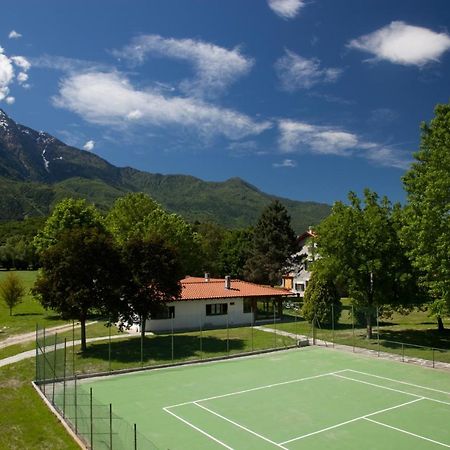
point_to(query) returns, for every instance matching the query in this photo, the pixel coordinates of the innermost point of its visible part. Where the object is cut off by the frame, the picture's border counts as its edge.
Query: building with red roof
(218, 302)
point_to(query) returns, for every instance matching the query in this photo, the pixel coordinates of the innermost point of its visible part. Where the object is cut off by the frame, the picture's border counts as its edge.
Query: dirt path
(28, 337)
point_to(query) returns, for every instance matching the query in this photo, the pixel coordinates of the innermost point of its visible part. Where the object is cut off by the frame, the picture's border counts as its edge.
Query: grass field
(305, 398)
(28, 313)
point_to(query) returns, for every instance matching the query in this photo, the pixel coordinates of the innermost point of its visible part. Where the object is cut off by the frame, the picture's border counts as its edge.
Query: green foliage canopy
(12, 291)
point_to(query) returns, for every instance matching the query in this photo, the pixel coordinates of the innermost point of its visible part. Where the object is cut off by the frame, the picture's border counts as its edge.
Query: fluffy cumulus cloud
(296, 72)
(405, 44)
(215, 67)
(8, 74)
(286, 9)
(14, 35)
(89, 145)
(301, 137)
(286, 163)
(108, 98)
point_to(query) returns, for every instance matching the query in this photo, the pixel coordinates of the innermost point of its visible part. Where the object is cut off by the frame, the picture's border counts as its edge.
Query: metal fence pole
(54, 369)
(142, 342)
(109, 347)
(432, 350)
(45, 361)
(73, 347)
(201, 336)
(64, 378)
(76, 405)
(378, 330)
(274, 325)
(36, 363)
(403, 352)
(228, 336)
(332, 322)
(110, 427)
(251, 328)
(135, 437)
(171, 322)
(92, 418)
(353, 327)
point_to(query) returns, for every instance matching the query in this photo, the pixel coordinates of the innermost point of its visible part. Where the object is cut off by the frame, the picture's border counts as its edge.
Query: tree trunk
(441, 327)
(83, 334)
(10, 311)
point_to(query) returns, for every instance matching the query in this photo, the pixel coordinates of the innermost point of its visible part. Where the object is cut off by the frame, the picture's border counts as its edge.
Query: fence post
(45, 360)
(76, 405)
(54, 369)
(36, 376)
(403, 352)
(142, 342)
(228, 335)
(378, 330)
(110, 427)
(73, 347)
(64, 378)
(109, 347)
(274, 324)
(353, 328)
(171, 322)
(201, 336)
(92, 419)
(433, 355)
(135, 437)
(332, 322)
(251, 328)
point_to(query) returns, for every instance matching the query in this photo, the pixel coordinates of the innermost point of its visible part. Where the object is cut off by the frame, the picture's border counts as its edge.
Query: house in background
(217, 302)
(296, 280)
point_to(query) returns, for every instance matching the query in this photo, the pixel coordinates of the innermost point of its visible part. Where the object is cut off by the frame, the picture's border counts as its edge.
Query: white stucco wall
(189, 314)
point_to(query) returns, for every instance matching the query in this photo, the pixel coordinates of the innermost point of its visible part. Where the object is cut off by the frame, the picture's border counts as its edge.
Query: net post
(91, 419)
(135, 437)
(110, 427)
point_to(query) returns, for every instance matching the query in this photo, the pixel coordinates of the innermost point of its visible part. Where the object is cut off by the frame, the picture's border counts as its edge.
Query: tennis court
(309, 398)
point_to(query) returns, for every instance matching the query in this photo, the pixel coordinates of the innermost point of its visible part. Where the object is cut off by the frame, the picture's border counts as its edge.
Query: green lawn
(28, 313)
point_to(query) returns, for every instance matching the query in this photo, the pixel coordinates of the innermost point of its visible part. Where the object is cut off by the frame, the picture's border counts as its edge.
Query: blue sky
(304, 99)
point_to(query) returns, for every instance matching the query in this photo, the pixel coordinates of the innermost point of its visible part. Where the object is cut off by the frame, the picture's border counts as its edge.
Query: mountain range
(37, 170)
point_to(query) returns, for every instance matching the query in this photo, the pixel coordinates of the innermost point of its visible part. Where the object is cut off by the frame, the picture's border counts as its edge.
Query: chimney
(228, 282)
(206, 276)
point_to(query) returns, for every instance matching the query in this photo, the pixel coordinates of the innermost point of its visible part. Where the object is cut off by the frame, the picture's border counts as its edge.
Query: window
(297, 286)
(302, 287)
(166, 312)
(217, 309)
(247, 305)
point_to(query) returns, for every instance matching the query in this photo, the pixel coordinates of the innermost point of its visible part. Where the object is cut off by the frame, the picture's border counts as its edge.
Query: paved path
(359, 350)
(28, 337)
(32, 353)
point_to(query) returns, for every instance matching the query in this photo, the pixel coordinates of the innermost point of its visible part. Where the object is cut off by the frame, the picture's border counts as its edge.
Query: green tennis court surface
(308, 398)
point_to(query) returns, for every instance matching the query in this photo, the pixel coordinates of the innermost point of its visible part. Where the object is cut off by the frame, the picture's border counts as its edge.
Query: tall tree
(11, 291)
(67, 214)
(234, 251)
(138, 216)
(427, 225)
(360, 249)
(274, 242)
(81, 273)
(153, 274)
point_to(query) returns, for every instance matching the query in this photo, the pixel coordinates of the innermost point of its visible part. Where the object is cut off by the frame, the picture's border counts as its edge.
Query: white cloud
(14, 35)
(301, 137)
(110, 99)
(22, 77)
(69, 65)
(289, 163)
(21, 62)
(286, 9)
(10, 100)
(405, 44)
(215, 67)
(89, 145)
(296, 72)
(6, 74)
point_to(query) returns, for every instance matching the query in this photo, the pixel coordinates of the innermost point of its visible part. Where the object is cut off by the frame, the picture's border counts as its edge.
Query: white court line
(199, 429)
(239, 426)
(407, 432)
(256, 389)
(391, 389)
(398, 381)
(350, 421)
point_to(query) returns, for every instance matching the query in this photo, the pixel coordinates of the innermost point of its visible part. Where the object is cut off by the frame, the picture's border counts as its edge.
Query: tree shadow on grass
(426, 338)
(159, 348)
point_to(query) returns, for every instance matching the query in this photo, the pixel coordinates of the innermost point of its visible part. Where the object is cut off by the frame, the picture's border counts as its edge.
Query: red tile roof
(197, 288)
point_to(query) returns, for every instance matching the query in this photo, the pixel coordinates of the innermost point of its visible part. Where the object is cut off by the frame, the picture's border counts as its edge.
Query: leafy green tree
(67, 214)
(211, 238)
(360, 250)
(81, 274)
(274, 242)
(427, 224)
(12, 291)
(138, 216)
(321, 301)
(152, 278)
(234, 251)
